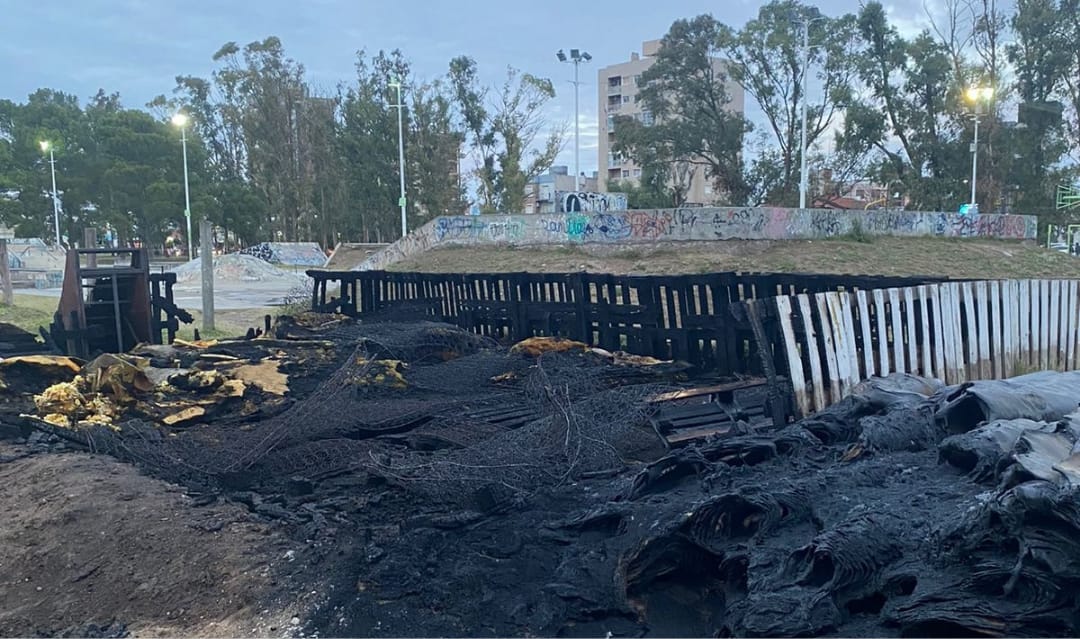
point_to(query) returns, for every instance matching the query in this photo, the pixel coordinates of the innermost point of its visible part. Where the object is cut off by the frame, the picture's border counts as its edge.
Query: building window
(637, 80)
(647, 118)
(637, 173)
(614, 81)
(625, 173)
(611, 123)
(625, 99)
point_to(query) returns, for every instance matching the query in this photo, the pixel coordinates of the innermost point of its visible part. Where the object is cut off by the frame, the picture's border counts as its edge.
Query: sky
(138, 47)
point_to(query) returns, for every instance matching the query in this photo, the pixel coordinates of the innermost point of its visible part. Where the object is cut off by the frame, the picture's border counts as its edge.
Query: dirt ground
(89, 546)
(879, 256)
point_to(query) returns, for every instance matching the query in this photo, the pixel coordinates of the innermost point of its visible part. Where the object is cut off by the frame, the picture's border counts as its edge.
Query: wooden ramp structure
(954, 331)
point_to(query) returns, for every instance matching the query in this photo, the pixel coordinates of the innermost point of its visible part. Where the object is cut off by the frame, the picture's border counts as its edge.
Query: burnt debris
(441, 483)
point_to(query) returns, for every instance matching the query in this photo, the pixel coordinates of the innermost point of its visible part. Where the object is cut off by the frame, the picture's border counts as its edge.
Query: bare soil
(88, 540)
(879, 256)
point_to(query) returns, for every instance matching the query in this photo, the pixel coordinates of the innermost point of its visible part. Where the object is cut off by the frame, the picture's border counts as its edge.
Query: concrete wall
(695, 224)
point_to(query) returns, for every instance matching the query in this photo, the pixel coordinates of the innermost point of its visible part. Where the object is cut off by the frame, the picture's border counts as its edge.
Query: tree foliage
(507, 132)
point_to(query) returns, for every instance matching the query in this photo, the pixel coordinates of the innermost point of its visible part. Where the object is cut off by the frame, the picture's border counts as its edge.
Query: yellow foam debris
(266, 375)
(388, 373)
(42, 360)
(536, 346)
(66, 405)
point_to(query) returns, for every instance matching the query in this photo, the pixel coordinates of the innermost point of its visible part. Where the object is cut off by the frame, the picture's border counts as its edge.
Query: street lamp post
(396, 83)
(181, 120)
(45, 146)
(977, 95)
(577, 56)
(802, 135)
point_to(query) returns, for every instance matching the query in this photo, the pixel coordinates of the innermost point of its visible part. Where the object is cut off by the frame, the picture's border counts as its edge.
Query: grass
(853, 254)
(31, 311)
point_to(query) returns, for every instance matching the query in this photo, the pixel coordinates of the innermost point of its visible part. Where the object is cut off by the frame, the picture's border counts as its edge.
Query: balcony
(613, 162)
(613, 107)
(614, 89)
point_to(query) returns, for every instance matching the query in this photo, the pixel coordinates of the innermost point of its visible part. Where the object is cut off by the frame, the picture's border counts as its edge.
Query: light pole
(977, 95)
(802, 135)
(396, 83)
(181, 120)
(45, 146)
(577, 56)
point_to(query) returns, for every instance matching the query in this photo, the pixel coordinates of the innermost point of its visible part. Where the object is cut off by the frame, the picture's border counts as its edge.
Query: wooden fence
(692, 318)
(955, 331)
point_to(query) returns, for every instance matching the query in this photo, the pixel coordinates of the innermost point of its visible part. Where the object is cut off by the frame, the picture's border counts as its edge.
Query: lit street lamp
(977, 96)
(396, 83)
(181, 120)
(577, 56)
(45, 146)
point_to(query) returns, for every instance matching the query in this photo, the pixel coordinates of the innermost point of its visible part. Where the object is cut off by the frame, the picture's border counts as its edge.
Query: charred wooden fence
(695, 318)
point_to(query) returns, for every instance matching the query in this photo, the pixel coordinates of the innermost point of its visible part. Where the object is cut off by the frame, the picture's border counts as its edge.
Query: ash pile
(441, 484)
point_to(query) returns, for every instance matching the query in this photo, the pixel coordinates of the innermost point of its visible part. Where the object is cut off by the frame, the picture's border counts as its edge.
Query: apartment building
(618, 95)
(543, 192)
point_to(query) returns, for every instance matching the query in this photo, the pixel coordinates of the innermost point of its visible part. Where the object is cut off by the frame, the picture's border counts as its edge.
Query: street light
(45, 146)
(577, 56)
(977, 96)
(396, 83)
(802, 143)
(181, 120)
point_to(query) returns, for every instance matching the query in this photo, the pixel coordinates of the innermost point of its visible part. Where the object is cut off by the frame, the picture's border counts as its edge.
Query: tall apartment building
(618, 95)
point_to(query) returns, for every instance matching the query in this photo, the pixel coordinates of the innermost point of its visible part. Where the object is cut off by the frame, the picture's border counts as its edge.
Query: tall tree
(686, 92)
(511, 140)
(1040, 54)
(768, 61)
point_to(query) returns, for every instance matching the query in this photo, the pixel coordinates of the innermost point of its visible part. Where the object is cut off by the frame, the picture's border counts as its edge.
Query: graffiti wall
(587, 202)
(698, 224)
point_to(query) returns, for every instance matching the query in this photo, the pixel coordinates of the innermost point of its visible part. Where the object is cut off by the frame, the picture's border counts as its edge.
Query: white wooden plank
(924, 318)
(954, 346)
(867, 336)
(1072, 347)
(909, 325)
(1009, 327)
(817, 381)
(939, 334)
(795, 363)
(830, 348)
(958, 321)
(1063, 324)
(971, 337)
(897, 331)
(1025, 353)
(982, 311)
(1044, 325)
(850, 336)
(840, 342)
(1052, 335)
(996, 336)
(882, 332)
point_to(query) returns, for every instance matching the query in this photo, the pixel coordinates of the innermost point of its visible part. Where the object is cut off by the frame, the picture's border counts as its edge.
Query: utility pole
(206, 238)
(977, 95)
(181, 121)
(577, 56)
(396, 83)
(46, 146)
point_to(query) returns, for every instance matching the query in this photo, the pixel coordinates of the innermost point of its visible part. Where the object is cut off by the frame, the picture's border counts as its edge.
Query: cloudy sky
(137, 47)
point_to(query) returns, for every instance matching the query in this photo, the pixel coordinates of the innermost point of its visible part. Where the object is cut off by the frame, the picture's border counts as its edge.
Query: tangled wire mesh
(581, 428)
